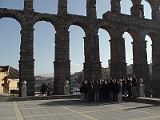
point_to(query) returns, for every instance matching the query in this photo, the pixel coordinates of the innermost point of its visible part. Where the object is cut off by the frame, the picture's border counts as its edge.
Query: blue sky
(44, 35)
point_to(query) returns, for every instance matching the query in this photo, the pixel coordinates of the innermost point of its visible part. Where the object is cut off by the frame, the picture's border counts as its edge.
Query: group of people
(108, 91)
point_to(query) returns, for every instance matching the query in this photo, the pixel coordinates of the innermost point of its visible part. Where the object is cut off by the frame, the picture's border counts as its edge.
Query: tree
(44, 88)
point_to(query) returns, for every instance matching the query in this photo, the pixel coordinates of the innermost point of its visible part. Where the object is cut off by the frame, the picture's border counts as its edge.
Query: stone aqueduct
(113, 21)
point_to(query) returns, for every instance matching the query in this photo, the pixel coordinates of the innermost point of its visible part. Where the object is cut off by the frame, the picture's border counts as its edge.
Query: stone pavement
(74, 109)
(4, 97)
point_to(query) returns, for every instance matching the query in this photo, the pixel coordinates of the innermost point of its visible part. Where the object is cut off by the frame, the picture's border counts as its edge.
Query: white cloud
(75, 64)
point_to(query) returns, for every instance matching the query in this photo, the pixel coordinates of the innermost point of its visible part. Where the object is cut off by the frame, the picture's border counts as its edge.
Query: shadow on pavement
(75, 103)
(149, 106)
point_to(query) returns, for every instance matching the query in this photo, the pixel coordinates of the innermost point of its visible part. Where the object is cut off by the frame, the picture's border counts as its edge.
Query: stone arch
(147, 8)
(155, 7)
(133, 31)
(45, 34)
(152, 33)
(110, 28)
(78, 41)
(104, 39)
(152, 3)
(82, 25)
(154, 38)
(46, 17)
(79, 22)
(154, 53)
(10, 32)
(129, 34)
(18, 16)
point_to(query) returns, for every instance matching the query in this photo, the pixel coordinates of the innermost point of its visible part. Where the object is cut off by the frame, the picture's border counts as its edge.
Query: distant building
(9, 79)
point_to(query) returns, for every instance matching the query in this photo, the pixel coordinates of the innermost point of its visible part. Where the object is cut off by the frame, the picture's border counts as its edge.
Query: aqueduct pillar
(137, 9)
(62, 7)
(115, 6)
(26, 62)
(118, 59)
(92, 65)
(62, 62)
(156, 66)
(140, 65)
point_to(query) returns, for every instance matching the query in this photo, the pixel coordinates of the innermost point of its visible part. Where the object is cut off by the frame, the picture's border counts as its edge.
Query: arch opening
(147, 9)
(104, 51)
(44, 49)
(149, 49)
(129, 52)
(11, 4)
(9, 54)
(149, 53)
(43, 6)
(10, 36)
(102, 6)
(126, 6)
(76, 52)
(77, 7)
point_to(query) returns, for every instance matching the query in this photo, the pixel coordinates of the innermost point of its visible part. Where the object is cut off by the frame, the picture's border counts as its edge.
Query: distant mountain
(46, 75)
(77, 77)
(51, 74)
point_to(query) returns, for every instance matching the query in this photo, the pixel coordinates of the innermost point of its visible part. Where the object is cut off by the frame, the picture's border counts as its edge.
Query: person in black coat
(129, 86)
(134, 86)
(83, 91)
(89, 91)
(102, 90)
(96, 91)
(115, 90)
(124, 87)
(110, 91)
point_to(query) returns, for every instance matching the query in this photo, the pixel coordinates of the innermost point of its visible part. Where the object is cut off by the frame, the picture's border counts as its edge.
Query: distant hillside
(77, 77)
(73, 75)
(46, 75)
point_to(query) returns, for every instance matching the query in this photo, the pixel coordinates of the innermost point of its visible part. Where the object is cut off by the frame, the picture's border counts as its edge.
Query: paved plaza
(74, 109)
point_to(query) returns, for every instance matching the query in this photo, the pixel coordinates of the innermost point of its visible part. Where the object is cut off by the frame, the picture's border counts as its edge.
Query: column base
(156, 88)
